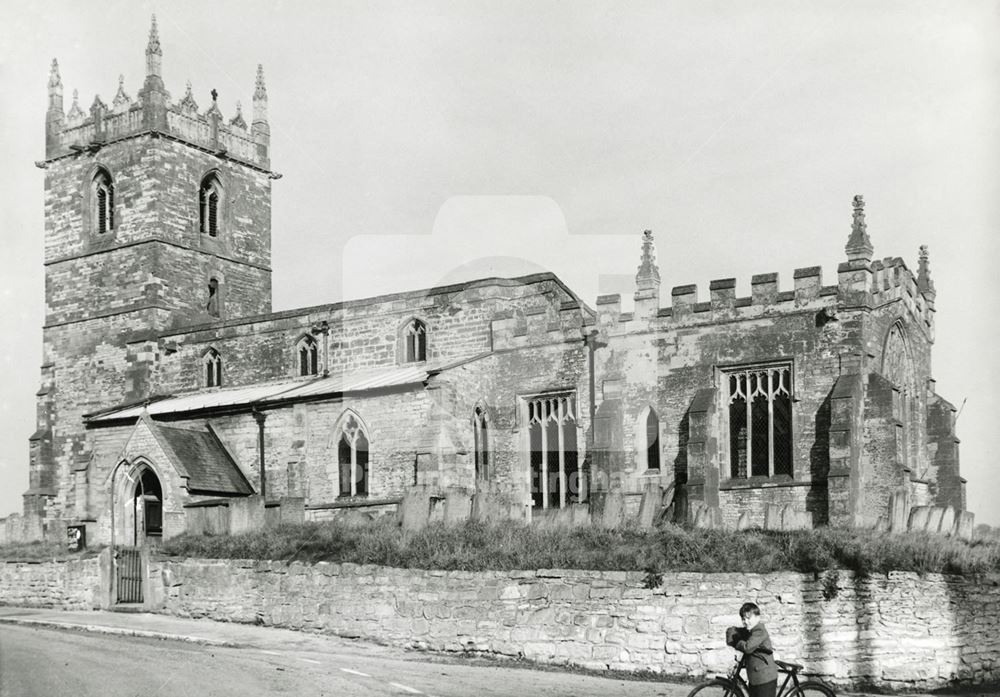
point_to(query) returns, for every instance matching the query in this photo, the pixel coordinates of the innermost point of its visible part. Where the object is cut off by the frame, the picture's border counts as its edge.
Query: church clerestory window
(308, 356)
(212, 367)
(209, 205)
(103, 196)
(352, 458)
(760, 421)
(415, 342)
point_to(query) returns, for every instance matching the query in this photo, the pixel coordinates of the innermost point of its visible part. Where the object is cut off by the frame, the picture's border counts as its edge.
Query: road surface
(45, 662)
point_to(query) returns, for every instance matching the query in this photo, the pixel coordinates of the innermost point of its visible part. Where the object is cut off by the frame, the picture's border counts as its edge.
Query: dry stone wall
(69, 585)
(902, 632)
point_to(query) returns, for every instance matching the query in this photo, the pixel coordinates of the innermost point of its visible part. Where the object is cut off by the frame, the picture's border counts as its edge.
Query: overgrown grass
(38, 551)
(477, 546)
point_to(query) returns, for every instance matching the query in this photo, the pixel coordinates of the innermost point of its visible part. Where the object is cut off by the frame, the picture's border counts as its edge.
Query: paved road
(42, 662)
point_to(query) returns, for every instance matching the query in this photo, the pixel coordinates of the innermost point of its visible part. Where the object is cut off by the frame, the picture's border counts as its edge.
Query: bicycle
(733, 684)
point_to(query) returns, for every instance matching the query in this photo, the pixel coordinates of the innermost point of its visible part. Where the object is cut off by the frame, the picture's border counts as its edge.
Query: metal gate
(129, 568)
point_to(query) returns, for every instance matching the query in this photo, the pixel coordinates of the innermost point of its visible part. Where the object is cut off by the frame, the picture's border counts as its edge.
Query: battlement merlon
(153, 112)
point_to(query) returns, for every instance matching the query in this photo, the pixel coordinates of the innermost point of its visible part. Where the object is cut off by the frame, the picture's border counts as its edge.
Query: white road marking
(270, 653)
(405, 688)
(355, 672)
(309, 660)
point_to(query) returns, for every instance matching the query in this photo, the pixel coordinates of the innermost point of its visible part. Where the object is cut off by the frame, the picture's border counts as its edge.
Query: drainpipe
(260, 417)
(592, 345)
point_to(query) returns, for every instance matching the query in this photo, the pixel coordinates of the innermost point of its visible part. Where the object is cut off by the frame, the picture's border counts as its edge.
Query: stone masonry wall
(69, 585)
(900, 632)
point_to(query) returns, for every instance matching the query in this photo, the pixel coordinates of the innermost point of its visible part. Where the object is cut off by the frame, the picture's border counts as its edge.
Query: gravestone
(457, 506)
(772, 517)
(744, 522)
(649, 507)
(918, 518)
(416, 508)
(934, 519)
(614, 509)
(965, 523)
(947, 524)
(899, 509)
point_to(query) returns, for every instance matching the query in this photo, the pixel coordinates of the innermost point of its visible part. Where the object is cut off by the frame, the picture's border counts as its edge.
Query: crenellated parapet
(861, 284)
(153, 111)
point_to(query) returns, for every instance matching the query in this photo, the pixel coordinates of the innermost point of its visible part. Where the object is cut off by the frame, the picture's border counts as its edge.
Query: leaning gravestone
(652, 498)
(918, 518)
(947, 524)
(744, 522)
(934, 519)
(899, 510)
(964, 524)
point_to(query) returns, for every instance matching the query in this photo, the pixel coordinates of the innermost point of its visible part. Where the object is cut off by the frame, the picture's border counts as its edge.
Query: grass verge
(478, 546)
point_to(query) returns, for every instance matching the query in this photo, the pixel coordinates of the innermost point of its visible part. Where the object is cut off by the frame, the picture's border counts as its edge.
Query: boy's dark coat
(756, 644)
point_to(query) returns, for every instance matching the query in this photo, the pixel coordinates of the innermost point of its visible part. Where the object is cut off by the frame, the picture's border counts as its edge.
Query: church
(170, 390)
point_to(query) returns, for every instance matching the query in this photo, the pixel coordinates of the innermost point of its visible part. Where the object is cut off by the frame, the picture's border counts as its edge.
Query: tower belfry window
(104, 202)
(209, 203)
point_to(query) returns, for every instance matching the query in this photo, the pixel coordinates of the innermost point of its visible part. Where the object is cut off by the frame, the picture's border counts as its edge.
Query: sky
(429, 142)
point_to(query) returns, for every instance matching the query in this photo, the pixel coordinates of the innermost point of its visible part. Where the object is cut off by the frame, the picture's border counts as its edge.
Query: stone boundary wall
(72, 584)
(901, 632)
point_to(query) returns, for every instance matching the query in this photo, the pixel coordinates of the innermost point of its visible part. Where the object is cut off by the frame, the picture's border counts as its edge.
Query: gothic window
(212, 306)
(212, 367)
(103, 197)
(352, 458)
(556, 477)
(897, 368)
(481, 445)
(648, 440)
(415, 342)
(760, 421)
(209, 205)
(308, 355)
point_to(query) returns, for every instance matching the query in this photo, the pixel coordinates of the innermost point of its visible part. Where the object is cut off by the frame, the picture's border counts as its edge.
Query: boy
(752, 639)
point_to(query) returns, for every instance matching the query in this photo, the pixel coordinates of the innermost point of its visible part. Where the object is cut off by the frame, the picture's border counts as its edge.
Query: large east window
(556, 476)
(760, 420)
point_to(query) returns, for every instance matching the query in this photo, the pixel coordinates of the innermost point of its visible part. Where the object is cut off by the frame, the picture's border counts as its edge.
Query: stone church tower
(157, 215)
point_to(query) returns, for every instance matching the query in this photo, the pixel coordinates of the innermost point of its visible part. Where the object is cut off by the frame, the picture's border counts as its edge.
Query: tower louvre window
(760, 421)
(104, 202)
(209, 202)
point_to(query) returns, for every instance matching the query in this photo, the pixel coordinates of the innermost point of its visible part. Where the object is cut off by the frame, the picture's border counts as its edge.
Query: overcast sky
(426, 142)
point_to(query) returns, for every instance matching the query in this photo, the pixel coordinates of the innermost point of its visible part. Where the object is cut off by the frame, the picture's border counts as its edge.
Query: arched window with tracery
(352, 457)
(212, 368)
(414, 341)
(308, 356)
(481, 443)
(103, 197)
(556, 475)
(898, 368)
(209, 205)
(760, 420)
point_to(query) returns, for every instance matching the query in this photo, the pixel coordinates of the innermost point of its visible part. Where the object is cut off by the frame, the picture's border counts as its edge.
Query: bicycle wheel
(717, 688)
(812, 688)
